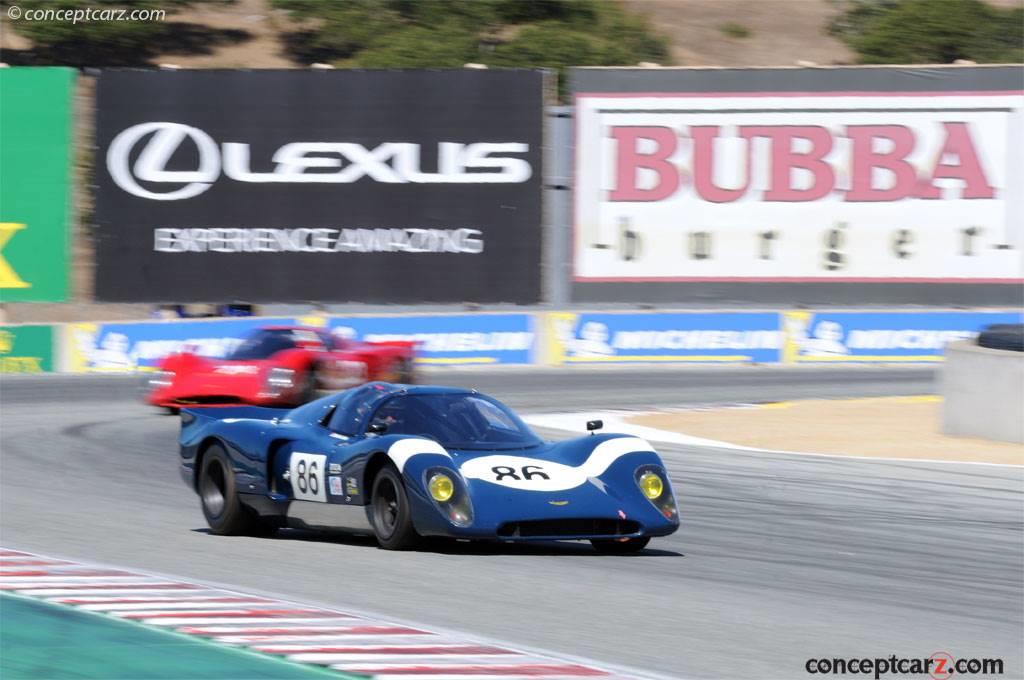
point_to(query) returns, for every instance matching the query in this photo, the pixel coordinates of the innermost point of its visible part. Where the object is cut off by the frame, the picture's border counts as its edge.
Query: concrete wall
(983, 391)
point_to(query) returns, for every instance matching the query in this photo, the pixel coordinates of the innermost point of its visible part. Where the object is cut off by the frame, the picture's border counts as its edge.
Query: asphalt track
(780, 558)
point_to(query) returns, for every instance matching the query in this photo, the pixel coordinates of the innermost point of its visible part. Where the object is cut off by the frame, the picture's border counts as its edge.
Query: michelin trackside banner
(441, 338)
(637, 337)
(761, 337)
(835, 177)
(117, 347)
(449, 338)
(559, 338)
(334, 186)
(911, 336)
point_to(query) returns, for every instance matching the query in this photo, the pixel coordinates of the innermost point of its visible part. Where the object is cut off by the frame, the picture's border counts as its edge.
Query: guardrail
(552, 338)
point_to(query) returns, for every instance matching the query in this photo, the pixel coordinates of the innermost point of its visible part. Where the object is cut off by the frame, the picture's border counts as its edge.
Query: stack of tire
(1008, 336)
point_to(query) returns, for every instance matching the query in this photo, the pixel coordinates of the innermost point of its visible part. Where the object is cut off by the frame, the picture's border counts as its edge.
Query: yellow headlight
(651, 485)
(441, 487)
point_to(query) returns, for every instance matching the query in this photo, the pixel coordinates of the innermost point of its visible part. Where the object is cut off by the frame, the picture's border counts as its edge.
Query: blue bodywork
(582, 488)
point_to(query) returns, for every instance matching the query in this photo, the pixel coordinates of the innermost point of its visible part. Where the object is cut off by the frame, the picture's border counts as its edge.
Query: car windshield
(353, 406)
(263, 343)
(457, 421)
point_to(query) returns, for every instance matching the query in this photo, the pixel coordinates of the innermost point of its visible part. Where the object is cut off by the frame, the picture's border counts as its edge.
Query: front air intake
(568, 528)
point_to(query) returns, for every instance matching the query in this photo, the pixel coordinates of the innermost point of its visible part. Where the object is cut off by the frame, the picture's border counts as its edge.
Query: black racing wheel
(390, 511)
(222, 508)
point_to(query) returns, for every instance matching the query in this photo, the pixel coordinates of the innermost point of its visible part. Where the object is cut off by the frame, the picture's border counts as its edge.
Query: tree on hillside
(110, 42)
(931, 31)
(360, 33)
(449, 33)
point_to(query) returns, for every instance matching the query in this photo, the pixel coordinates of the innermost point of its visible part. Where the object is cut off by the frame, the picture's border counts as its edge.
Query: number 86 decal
(528, 472)
(311, 482)
(307, 476)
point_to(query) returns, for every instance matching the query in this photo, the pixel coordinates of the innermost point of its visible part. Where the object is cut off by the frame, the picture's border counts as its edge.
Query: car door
(317, 473)
(335, 449)
(301, 468)
(321, 469)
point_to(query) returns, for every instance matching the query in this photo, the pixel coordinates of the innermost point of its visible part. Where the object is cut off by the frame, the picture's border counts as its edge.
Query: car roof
(398, 388)
(380, 391)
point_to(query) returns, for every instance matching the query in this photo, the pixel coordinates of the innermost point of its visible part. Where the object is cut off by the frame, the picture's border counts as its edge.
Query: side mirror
(377, 427)
(594, 425)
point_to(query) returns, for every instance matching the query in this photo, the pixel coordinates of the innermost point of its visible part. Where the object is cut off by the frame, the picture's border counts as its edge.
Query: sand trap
(885, 427)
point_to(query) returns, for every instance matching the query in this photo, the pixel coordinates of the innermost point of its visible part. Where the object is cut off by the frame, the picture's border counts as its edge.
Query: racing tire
(225, 514)
(390, 512)
(610, 546)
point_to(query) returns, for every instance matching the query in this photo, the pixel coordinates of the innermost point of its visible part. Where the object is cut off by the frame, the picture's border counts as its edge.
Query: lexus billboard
(291, 186)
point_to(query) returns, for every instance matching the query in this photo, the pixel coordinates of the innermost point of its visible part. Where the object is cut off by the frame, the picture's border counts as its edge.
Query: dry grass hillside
(700, 32)
(746, 32)
(262, 49)
(752, 32)
(251, 34)
(781, 32)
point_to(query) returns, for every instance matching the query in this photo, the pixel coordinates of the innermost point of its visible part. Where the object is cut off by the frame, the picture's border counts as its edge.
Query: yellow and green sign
(35, 155)
(26, 349)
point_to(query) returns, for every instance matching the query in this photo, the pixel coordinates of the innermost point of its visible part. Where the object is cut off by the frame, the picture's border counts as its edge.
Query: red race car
(278, 366)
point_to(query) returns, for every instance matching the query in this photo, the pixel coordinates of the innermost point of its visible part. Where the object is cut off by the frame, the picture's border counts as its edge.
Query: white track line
(248, 613)
(194, 621)
(212, 603)
(207, 596)
(396, 638)
(463, 670)
(132, 591)
(416, 648)
(65, 582)
(436, 658)
(282, 627)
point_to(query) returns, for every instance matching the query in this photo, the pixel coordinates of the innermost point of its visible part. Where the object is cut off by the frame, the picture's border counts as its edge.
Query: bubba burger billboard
(800, 186)
(282, 186)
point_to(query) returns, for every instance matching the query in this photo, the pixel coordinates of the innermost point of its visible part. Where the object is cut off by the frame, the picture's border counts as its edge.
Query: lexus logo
(335, 162)
(151, 164)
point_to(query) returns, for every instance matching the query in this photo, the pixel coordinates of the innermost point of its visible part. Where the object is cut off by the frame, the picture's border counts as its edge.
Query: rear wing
(200, 422)
(207, 414)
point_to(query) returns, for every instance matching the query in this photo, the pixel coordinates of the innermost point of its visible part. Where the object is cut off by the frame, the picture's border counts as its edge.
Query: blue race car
(403, 461)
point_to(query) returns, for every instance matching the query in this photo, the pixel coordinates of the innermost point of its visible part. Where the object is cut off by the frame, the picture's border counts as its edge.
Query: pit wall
(555, 338)
(982, 393)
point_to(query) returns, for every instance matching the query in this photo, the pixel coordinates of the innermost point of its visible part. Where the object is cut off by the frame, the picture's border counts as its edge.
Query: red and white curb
(344, 641)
